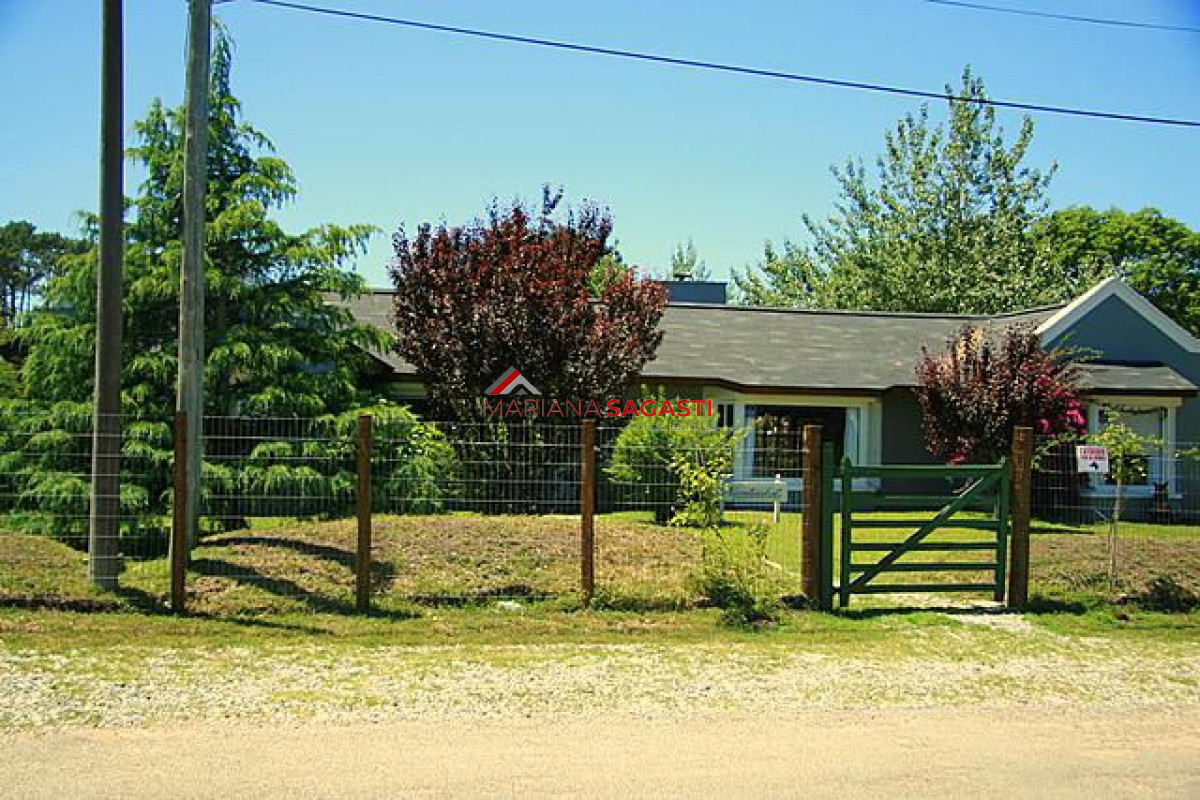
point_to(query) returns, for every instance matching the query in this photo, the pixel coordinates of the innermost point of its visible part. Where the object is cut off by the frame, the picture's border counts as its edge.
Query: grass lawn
(271, 631)
(281, 568)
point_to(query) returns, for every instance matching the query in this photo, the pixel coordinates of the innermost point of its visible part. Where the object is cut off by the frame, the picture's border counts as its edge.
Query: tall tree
(943, 226)
(686, 263)
(28, 259)
(516, 289)
(1159, 256)
(274, 345)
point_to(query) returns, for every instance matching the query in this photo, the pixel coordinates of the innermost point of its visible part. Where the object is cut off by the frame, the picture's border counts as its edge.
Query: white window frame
(862, 438)
(1098, 485)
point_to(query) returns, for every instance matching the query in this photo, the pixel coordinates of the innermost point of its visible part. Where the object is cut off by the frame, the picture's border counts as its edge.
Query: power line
(1025, 12)
(728, 68)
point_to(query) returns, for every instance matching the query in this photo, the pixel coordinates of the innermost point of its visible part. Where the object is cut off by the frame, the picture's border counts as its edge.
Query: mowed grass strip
(283, 566)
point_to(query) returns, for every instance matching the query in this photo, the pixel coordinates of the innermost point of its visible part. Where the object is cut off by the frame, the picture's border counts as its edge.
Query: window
(777, 437)
(724, 415)
(1151, 422)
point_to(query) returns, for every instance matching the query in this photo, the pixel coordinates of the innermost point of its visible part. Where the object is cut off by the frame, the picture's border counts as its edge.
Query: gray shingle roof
(1135, 378)
(791, 350)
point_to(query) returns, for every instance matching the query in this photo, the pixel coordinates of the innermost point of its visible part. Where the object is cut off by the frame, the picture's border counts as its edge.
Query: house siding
(1117, 332)
(903, 432)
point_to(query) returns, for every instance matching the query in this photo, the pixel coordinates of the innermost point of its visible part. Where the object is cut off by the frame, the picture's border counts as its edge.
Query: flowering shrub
(985, 384)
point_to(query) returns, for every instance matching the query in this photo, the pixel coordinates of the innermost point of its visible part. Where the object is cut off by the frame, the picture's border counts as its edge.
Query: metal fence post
(1022, 479)
(362, 561)
(810, 529)
(179, 516)
(587, 510)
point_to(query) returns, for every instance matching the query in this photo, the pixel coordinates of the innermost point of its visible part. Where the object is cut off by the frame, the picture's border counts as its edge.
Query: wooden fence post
(825, 573)
(179, 516)
(362, 561)
(587, 511)
(810, 536)
(1022, 480)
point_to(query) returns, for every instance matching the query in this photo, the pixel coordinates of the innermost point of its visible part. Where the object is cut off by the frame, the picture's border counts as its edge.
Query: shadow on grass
(1042, 604)
(1044, 528)
(288, 589)
(514, 591)
(875, 612)
(335, 555)
(382, 572)
(1038, 604)
(140, 603)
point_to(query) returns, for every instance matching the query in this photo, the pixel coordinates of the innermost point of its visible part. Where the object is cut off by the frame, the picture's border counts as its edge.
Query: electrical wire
(1026, 12)
(728, 68)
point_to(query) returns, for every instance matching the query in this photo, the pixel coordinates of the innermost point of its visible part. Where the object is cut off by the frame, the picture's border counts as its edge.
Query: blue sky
(384, 125)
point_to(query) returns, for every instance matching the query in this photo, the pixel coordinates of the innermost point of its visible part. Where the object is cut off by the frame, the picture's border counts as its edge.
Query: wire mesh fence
(681, 501)
(1093, 533)
(48, 547)
(470, 512)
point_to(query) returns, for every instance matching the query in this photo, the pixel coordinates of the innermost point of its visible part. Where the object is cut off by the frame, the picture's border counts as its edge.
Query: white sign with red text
(1092, 459)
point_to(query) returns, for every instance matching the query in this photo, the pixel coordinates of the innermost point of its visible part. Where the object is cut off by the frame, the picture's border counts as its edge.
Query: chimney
(706, 292)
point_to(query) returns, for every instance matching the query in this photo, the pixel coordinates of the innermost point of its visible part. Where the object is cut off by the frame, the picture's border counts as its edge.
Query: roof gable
(1071, 314)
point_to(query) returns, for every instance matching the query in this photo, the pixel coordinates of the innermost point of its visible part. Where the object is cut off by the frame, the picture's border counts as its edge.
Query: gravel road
(1003, 753)
(136, 686)
(953, 712)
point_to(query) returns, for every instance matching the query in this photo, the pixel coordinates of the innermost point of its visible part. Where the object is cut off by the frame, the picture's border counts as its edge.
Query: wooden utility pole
(104, 559)
(190, 396)
(1022, 481)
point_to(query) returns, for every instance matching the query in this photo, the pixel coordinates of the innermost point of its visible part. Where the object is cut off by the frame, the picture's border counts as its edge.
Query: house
(854, 372)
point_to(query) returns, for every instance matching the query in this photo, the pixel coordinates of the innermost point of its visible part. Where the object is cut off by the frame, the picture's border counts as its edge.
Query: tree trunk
(1118, 507)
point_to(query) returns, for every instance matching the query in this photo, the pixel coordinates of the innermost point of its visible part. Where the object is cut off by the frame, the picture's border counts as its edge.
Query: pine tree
(274, 345)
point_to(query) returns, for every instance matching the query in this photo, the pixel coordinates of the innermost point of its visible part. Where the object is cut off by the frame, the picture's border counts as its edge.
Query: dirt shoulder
(923, 666)
(1010, 752)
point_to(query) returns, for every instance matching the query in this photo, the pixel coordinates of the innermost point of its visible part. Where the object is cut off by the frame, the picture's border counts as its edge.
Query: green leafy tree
(1157, 255)
(609, 270)
(1127, 465)
(942, 226)
(10, 385)
(28, 259)
(275, 346)
(687, 265)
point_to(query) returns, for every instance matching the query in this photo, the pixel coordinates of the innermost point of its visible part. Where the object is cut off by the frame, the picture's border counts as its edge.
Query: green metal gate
(984, 488)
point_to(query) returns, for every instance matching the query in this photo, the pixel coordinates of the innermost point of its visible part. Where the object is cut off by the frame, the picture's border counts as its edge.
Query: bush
(736, 577)
(675, 466)
(313, 469)
(252, 467)
(516, 466)
(984, 384)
